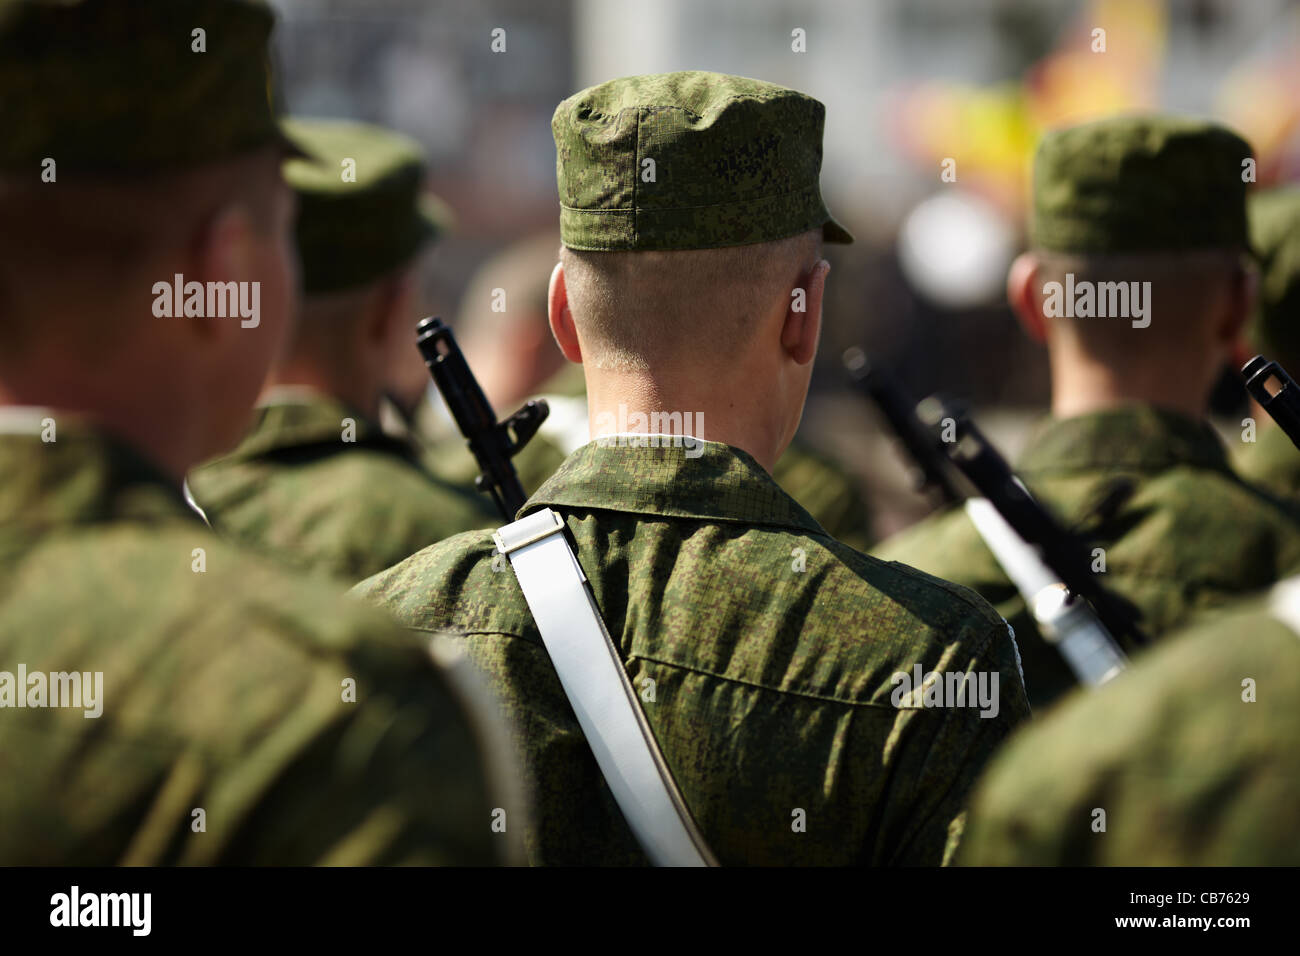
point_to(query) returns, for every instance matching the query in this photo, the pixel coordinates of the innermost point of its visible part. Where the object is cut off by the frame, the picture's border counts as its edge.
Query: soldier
(514, 357)
(1189, 759)
(832, 495)
(503, 330)
(768, 659)
(165, 697)
(1136, 282)
(316, 482)
(1271, 460)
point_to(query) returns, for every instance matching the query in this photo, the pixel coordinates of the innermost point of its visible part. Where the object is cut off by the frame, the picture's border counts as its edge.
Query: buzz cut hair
(1185, 285)
(95, 239)
(636, 310)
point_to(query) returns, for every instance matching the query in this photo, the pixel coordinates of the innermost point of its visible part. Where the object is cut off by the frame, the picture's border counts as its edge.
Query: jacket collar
(709, 481)
(1133, 437)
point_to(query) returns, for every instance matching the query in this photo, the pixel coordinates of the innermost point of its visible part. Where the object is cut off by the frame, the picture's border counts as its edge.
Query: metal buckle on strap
(527, 530)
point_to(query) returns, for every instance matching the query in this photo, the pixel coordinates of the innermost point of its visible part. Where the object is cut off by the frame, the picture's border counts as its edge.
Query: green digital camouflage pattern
(818, 484)
(1187, 772)
(827, 492)
(815, 481)
(444, 452)
(351, 231)
(450, 459)
(690, 160)
(771, 648)
(222, 690)
(65, 94)
(1152, 489)
(295, 490)
(1143, 184)
(1272, 461)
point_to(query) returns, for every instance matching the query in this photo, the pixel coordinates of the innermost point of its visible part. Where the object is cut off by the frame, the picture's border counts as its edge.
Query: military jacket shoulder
(1168, 525)
(771, 651)
(320, 487)
(1188, 759)
(244, 715)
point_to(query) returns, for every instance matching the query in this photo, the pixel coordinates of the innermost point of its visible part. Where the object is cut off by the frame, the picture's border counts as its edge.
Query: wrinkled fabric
(1186, 771)
(763, 652)
(1272, 462)
(1139, 184)
(117, 86)
(295, 490)
(1178, 531)
(222, 691)
(689, 160)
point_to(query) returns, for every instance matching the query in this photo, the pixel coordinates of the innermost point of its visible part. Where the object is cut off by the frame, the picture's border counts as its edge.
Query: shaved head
(92, 242)
(637, 310)
(1186, 288)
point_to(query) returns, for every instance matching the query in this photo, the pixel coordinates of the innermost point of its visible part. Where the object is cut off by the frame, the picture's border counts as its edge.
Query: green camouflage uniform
(296, 488)
(814, 480)
(830, 494)
(222, 690)
(241, 715)
(444, 452)
(1272, 460)
(1178, 531)
(772, 648)
(1186, 770)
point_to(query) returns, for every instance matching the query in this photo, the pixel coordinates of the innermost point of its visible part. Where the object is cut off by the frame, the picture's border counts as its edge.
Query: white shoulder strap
(1284, 602)
(592, 675)
(1063, 620)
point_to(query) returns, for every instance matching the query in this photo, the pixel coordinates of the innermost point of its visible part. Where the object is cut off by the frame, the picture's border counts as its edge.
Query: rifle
(883, 389)
(1282, 402)
(492, 443)
(1061, 550)
(1048, 564)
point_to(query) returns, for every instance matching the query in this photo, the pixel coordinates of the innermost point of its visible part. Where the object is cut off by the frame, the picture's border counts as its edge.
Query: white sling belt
(1068, 623)
(591, 673)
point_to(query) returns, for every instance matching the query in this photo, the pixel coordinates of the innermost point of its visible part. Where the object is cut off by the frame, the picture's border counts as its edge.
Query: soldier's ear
(225, 250)
(1022, 294)
(803, 315)
(561, 318)
(394, 306)
(1243, 291)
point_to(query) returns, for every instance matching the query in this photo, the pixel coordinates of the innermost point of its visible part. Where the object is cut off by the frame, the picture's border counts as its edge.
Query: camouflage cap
(107, 86)
(689, 160)
(1275, 238)
(1140, 184)
(361, 213)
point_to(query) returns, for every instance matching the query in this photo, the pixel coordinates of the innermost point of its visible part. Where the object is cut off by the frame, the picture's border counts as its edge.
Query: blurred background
(912, 88)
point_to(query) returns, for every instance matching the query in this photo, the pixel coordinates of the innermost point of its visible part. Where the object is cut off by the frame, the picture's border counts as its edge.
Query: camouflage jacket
(1272, 461)
(816, 481)
(764, 653)
(318, 486)
(222, 689)
(1176, 529)
(1188, 759)
(829, 493)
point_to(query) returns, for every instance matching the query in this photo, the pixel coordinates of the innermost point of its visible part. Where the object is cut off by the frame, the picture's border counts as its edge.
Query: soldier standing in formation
(245, 716)
(316, 482)
(764, 651)
(1155, 205)
(250, 715)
